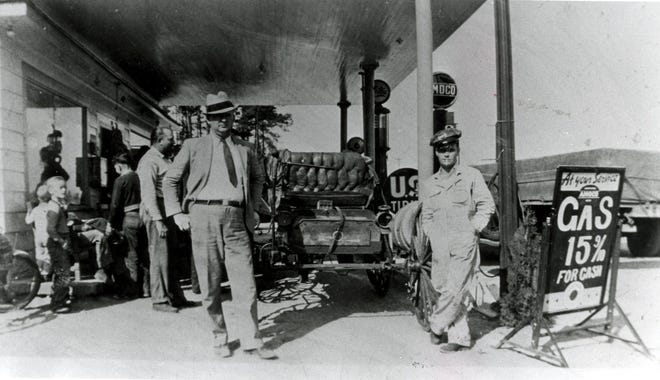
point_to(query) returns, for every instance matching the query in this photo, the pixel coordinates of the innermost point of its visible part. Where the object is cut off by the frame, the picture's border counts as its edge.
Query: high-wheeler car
(324, 216)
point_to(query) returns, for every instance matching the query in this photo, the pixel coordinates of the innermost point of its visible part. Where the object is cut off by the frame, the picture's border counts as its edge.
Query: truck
(640, 200)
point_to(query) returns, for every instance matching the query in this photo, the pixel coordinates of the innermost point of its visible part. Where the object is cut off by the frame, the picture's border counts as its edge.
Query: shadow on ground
(39, 312)
(326, 297)
(481, 325)
(329, 296)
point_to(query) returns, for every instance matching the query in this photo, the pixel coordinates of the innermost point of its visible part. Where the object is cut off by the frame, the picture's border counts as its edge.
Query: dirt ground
(332, 327)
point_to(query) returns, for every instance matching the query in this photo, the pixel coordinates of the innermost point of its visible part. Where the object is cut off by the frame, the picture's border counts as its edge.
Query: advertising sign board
(381, 91)
(586, 202)
(579, 261)
(401, 188)
(444, 90)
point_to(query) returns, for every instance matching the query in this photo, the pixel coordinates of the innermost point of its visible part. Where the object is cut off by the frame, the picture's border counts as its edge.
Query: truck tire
(646, 241)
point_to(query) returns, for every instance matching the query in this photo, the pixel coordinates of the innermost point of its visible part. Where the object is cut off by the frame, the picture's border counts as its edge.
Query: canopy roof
(282, 52)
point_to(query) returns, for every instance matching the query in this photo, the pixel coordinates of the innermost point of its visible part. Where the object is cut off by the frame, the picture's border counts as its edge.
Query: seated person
(89, 234)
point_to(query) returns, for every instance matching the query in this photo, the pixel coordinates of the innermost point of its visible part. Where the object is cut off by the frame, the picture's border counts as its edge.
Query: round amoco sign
(381, 91)
(444, 90)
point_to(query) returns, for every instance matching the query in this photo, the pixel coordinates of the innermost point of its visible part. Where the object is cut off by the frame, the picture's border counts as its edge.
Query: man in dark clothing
(51, 157)
(125, 216)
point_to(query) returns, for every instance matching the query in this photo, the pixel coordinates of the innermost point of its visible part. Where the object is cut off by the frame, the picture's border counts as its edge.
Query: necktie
(229, 161)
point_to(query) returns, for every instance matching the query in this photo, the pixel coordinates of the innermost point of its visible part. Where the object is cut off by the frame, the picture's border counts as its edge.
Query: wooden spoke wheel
(380, 278)
(23, 280)
(418, 268)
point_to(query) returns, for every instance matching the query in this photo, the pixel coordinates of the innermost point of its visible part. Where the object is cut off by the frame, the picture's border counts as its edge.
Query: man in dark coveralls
(225, 179)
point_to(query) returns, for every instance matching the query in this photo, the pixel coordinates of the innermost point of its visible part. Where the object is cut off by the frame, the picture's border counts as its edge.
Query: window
(55, 130)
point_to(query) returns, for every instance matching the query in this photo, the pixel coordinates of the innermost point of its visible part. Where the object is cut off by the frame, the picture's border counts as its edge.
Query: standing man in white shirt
(166, 294)
(224, 181)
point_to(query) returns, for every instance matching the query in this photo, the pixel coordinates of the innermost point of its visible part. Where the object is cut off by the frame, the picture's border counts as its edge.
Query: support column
(505, 148)
(424, 89)
(343, 123)
(368, 107)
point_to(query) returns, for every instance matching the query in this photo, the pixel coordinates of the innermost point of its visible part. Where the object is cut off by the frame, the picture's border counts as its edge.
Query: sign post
(580, 248)
(444, 95)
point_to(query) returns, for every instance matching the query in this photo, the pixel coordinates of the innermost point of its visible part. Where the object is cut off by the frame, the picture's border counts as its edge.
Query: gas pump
(381, 125)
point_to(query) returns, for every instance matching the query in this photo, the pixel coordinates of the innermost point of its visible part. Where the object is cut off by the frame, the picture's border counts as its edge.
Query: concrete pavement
(332, 327)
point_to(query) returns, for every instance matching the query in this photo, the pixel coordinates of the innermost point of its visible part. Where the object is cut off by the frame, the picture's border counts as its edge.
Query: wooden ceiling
(281, 52)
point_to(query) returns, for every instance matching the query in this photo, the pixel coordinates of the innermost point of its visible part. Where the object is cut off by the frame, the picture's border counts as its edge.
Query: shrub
(524, 257)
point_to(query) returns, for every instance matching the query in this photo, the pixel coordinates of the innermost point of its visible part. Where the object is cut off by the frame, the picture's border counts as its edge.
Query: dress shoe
(262, 353)
(453, 347)
(186, 304)
(165, 307)
(437, 339)
(62, 309)
(223, 350)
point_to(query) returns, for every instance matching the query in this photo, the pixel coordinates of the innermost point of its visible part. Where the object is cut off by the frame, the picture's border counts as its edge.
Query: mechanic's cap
(445, 137)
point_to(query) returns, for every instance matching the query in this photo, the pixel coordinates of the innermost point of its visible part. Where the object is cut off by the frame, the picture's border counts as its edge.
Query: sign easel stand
(538, 322)
(611, 305)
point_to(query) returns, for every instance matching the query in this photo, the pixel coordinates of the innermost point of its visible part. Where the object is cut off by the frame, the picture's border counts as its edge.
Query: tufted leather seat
(342, 177)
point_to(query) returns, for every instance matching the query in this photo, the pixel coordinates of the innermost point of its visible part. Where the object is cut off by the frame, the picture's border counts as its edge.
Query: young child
(36, 216)
(58, 244)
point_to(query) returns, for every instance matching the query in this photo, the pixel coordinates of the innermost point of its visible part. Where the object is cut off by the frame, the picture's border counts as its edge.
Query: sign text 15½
(579, 249)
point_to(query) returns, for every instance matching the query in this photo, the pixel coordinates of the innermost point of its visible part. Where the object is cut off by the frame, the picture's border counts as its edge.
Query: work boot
(223, 350)
(452, 347)
(437, 338)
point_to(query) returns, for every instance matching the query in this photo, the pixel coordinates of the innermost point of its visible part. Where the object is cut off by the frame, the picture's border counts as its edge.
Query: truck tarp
(536, 176)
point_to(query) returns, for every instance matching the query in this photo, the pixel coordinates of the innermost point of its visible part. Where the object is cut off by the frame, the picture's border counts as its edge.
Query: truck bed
(536, 176)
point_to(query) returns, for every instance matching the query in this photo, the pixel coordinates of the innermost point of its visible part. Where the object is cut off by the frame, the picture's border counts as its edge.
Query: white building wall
(39, 52)
(13, 169)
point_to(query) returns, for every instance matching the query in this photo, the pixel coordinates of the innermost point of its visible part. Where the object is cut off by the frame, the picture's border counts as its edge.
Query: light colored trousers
(219, 235)
(164, 276)
(455, 259)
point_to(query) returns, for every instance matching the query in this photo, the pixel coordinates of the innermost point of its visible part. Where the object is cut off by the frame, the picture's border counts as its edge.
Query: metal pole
(614, 275)
(439, 123)
(541, 280)
(343, 123)
(368, 107)
(505, 148)
(424, 89)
